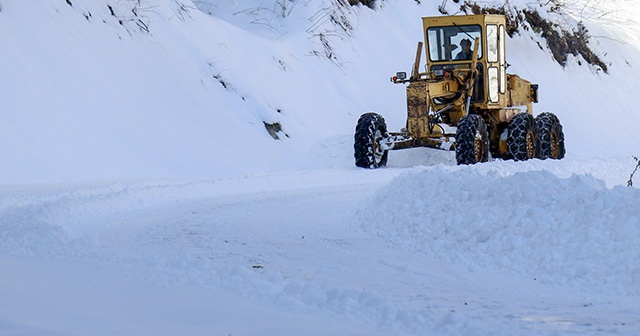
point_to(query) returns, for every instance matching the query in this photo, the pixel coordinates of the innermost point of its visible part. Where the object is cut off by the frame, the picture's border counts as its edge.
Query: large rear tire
(472, 140)
(551, 136)
(370, 130)
(522, 137)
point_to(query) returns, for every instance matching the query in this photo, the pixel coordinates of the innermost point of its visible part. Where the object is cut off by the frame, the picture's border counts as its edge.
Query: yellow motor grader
(464, 100)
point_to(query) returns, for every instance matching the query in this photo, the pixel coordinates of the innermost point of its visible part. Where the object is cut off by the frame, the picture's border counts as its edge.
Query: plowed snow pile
(565, 231)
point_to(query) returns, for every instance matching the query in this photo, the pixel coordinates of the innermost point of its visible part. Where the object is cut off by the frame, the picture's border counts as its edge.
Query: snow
(507, 226)
(140, 193)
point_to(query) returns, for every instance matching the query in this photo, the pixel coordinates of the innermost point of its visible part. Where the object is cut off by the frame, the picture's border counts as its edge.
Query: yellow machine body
(453, 85)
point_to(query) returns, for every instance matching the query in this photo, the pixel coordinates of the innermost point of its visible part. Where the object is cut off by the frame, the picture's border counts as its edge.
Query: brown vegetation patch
(560, 41)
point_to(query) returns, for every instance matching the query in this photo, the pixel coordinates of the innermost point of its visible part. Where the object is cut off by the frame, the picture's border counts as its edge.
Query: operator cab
(446, 38)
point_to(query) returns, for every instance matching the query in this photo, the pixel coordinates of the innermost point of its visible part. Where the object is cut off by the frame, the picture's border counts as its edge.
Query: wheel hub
(531, 146)
(555, 145)
(478, 148)
(378, 152)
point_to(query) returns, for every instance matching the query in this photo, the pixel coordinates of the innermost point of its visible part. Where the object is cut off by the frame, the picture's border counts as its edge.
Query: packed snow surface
(141, 193)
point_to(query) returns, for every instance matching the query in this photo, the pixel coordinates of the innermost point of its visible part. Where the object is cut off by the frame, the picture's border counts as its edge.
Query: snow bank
(565, 231)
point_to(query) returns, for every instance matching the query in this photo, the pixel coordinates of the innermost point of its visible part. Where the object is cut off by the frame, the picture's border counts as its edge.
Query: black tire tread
(364, 141)
(519, 126)
(548, 123)
(465, 140)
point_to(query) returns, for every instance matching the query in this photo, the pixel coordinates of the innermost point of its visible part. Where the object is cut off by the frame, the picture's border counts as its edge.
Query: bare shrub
(630, 182)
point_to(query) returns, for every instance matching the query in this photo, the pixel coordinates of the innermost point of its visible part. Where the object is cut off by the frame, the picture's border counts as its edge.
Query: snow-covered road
(428, 249)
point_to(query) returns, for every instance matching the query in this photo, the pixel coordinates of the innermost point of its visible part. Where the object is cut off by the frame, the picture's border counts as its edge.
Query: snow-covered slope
(141, 194)
(157, 88)
(94, 91)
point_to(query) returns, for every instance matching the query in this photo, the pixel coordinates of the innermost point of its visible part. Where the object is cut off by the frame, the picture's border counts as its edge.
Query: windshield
(453, 42)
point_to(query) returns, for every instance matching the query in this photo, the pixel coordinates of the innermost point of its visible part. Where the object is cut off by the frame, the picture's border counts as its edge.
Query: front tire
(472, 140)
(522, 138)
(551, 136)
(370, 130)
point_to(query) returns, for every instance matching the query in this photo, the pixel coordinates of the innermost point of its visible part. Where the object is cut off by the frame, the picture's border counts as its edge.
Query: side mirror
(401, 75)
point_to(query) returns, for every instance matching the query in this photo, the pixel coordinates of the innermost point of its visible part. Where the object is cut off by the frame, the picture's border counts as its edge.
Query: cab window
(453, 43)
